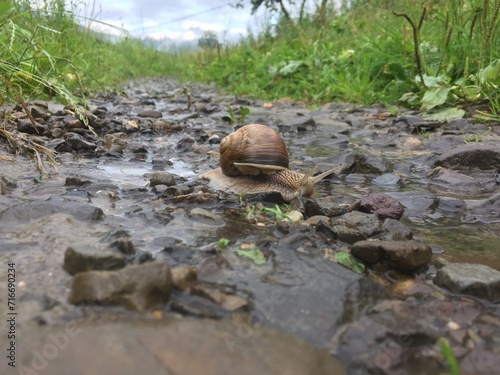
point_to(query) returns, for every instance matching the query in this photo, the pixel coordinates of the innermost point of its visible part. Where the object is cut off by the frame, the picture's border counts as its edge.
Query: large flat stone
(474, 279)
(167, 347)
(472, 155)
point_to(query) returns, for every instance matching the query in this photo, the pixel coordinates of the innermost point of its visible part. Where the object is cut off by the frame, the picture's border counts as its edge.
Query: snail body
(254, 159)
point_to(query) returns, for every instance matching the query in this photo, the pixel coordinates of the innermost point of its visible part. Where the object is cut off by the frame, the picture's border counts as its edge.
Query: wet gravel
(417, 199)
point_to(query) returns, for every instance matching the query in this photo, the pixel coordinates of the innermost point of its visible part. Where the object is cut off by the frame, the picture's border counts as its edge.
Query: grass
(47, 53)
(427, 54)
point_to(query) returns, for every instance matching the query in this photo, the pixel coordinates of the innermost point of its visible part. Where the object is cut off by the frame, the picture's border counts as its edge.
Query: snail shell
(254, 159)
(253, 150)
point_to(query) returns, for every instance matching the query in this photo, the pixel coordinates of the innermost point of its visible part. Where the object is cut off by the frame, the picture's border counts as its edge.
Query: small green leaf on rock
(223, 242)
(254, 253)
(348, 261)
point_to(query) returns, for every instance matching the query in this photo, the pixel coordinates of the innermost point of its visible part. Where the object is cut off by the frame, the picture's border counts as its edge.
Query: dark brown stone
(382, 205)
(401, 255)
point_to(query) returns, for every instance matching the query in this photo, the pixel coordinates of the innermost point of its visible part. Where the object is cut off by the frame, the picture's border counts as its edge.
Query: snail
(254, 159)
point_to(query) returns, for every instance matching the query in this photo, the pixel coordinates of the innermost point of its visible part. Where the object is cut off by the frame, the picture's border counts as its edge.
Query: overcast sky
(181, 20)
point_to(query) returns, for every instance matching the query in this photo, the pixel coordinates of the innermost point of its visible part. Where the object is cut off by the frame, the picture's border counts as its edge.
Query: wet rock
(73, 123)
(120, 241)
(415, 203)
(162, 178)
(301, 123)
(396, 230)
(349, 235)
(387, 180)
(405, 328)
(366, 224)
(355, 178)
(178, 346)
(415, 122)
(475, 279)
(137, 287)
(150, 114)
(39, 112)
(226, 301)
(185, 144)
(325, 206)
(82, 258)
(314, 220)
(293, 240)
(76, 181)
(184, 276)
(483, 210)
(212, 269)
(24, 212)
(327, 230)
(400, 255)
(412, 143)
(76, 142)
(382, 205)
(480, 362)
(198, 198)
(185, 116)
(205, 214)
(196, 306)
(7, 184)
(369, 163)
(25, 126)
(57, 133)
(159, 189)
(445, 180)
(139, 257)
(177, 190)
(100, 112)
(42, 104)
(472, 155)
(452, 206)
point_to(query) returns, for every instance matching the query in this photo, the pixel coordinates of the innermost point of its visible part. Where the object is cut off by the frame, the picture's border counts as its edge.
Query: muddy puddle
(387, 320)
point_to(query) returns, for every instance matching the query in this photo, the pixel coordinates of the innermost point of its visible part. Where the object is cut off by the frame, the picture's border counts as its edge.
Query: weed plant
(45, 52)
(368, 51)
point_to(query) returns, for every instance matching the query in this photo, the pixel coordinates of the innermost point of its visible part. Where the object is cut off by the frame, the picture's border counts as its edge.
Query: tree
(208, 40)
(272, 5)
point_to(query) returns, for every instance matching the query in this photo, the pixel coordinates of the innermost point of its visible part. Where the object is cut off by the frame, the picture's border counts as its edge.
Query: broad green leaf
(490, 74)
(434, 97)
(255, 254)
(444, 114)
(411, 98)
(348, 261)
(6, 7)
(244, 111)
(291, 67)
(433, 81)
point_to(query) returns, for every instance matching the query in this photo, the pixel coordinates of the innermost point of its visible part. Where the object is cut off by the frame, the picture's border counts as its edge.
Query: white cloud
(191, 24)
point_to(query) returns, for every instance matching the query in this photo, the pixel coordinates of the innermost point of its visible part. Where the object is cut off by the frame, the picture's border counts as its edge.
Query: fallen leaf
(133, 124)
(348, 261)
(254, 253)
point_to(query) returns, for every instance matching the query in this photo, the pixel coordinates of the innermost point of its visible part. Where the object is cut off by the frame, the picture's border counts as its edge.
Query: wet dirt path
(133, 197)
